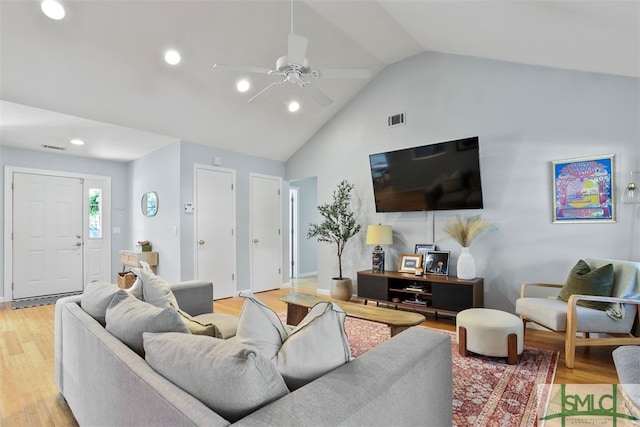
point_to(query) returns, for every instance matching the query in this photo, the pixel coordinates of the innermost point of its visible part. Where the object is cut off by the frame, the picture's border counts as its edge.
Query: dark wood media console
(427, 293)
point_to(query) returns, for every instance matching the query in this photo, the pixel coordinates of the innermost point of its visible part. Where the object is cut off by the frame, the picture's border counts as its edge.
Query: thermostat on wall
(188, 208)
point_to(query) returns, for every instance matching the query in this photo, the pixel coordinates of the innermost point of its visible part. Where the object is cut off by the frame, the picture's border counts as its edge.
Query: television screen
(442, 176)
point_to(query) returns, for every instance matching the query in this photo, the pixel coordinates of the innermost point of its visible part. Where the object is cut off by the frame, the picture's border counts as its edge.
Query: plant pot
(466, 269)
(341, 289)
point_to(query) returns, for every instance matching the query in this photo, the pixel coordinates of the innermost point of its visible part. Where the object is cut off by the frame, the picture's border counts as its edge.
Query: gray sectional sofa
(405, 381)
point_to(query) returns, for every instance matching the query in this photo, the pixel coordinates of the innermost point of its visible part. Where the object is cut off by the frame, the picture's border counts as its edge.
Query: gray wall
(307, 214)
(120, 190)
(158, 171)
(525, 116)
(244, 165)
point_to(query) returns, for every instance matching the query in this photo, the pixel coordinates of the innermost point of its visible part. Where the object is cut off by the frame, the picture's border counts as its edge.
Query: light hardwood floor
(28, 395)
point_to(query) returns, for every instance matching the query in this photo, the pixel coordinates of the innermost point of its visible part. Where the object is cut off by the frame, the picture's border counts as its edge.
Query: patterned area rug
(486, 390)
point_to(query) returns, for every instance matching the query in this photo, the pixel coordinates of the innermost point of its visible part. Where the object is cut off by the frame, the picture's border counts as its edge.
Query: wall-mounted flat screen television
(442, 176)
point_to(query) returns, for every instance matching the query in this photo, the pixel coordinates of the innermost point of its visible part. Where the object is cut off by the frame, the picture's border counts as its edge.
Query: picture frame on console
(409, 263)
(437, 262)
(422, 249)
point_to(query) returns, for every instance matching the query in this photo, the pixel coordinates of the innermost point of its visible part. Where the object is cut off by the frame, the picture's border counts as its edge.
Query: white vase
(466, 269)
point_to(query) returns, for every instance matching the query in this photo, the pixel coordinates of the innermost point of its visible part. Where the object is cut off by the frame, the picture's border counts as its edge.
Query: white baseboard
(311, 274)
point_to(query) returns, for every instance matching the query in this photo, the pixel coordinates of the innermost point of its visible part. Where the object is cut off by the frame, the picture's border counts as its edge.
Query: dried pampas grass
(465, 230)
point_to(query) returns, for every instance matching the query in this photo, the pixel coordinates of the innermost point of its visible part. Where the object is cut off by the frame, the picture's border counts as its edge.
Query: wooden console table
(432, 293)
(298, 306)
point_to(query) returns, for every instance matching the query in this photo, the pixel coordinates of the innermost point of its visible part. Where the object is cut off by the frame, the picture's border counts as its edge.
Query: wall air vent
(396, 120)
(52, 147)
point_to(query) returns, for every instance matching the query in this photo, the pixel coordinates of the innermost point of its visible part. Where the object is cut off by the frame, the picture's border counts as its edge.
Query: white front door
(215, 229)
(266, 235)
(47, 235)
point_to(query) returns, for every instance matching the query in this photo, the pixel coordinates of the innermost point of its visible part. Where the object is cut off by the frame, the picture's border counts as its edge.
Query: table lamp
(378, 235)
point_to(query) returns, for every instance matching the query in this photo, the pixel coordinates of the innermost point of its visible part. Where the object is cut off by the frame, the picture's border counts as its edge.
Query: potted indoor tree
(338, 226)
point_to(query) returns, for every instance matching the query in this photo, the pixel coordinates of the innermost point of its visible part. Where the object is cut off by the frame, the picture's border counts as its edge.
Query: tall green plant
(339, 223)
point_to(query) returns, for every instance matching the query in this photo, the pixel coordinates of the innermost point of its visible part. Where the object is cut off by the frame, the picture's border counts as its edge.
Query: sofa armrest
(194, 296)
(406, 380)
(57, 333)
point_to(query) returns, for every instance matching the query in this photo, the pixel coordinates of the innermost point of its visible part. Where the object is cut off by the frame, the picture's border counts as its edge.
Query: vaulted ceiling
(99, 74)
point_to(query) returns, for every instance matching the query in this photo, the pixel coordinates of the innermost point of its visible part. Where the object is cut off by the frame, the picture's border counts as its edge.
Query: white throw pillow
(231, 379)
(260, 327)
(155, 290)
(316, 346)
(96, 298)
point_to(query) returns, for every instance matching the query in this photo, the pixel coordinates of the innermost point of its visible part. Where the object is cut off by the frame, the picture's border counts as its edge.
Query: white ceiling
(99, 75)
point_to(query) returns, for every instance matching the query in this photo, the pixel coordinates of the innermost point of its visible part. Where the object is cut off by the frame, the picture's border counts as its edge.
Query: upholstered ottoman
(490, 333)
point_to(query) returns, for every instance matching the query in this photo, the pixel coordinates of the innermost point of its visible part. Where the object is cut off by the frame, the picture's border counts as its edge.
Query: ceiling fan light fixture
(172, 57)
(53, 9)
(294, 106)
(243, 85)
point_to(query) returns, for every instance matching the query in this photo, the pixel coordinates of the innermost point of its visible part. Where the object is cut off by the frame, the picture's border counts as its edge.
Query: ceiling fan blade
(245, 68)
(344, 73)
(318, 95)
(265, 92)
(297, 49)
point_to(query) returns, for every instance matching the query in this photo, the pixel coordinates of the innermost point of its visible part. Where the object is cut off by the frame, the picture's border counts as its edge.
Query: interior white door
(47, 235)
(215, 229)
(266, 236)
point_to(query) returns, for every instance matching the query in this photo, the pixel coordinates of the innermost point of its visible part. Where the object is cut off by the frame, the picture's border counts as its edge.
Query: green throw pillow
(584, 281)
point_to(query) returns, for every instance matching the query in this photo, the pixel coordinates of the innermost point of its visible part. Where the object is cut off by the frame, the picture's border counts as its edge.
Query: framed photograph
(437, 262)
(423, 248)
(583, 190)
(409, 263)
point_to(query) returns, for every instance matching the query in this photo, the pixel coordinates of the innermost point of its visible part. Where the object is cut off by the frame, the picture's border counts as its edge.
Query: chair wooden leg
(570, 350)
(462, 341)
(512, 349)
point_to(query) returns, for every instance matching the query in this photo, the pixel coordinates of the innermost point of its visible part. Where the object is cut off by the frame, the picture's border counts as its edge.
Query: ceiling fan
(293, 68)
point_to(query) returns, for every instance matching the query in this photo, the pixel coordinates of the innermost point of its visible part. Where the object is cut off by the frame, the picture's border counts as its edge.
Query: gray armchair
(569, 319)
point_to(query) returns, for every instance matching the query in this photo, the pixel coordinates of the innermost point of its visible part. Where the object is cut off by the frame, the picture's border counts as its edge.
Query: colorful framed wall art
(583, 190)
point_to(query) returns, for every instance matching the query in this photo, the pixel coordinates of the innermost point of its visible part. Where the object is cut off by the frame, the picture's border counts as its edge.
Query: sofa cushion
(316, 346)
(226, 324)
(582, 280)
(231, 379)
(128, 318)
(96, 298)
(199, 326)
(155, 290)
(260, 327)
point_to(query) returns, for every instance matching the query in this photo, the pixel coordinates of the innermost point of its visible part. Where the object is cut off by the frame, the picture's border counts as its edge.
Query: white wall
(10, 156)
(525, 116)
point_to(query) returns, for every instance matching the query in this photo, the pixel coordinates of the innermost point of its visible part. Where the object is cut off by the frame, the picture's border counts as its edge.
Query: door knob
(255, 240)
(78, 244)
(201, 242)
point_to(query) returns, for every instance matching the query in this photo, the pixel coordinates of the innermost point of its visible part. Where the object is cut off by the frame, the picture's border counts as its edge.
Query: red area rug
(486, 390)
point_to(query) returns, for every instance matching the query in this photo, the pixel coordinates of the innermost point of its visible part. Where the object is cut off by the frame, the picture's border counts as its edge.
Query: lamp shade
(379, 235)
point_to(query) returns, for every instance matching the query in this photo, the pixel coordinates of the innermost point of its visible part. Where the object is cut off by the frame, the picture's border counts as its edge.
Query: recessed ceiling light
(294, 106)
(52, 9)
(77, 141)
(172, 57)
(243, 85)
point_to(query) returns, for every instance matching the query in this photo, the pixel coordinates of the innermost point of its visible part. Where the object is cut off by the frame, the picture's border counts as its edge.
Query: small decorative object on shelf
(144, 245)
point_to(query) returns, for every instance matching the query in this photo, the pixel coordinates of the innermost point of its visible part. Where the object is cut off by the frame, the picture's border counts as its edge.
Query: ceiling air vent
(395, 120)
(52, 147)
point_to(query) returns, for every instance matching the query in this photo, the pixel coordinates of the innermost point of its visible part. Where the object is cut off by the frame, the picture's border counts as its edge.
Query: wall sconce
(378, 235)
(631, 193)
